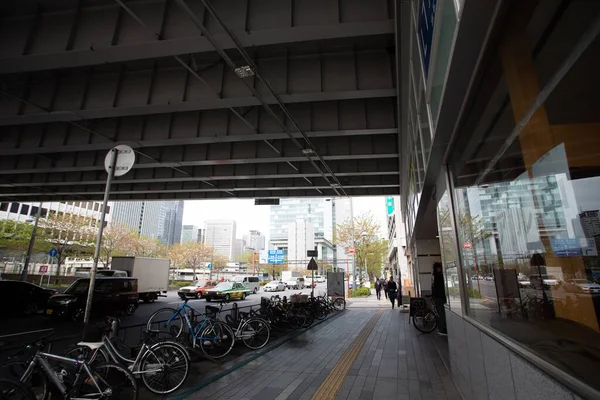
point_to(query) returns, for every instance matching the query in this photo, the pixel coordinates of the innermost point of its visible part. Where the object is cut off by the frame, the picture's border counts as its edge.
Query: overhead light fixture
(335, 185)
(244, 72)
(308, 151)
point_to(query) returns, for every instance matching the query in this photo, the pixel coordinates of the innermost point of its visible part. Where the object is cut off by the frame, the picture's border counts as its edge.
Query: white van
(294, 283)
(250, 282)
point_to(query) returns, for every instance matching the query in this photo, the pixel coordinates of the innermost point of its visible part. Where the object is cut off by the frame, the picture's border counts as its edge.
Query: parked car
(274, 286)
(18, 297)
(581, 285)
(197, 290)
(227, 291)
(110, 294)
(546, 280)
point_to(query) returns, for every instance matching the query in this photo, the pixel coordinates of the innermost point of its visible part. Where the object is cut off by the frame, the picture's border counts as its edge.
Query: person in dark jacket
(392, 289)
(384, 287)
(378, 289)
(438, 292)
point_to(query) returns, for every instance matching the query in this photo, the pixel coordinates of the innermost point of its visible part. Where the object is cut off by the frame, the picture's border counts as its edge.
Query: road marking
(332, 384)
(26, 333)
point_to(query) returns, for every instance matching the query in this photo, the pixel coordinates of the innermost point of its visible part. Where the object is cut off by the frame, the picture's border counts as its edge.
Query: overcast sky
(248, 216)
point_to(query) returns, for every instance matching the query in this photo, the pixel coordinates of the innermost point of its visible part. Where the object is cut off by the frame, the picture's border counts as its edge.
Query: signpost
(467, 245)
(276, 256)
(118, 162)
(351, 250)
(43, 271)
(53, 252)
(389, 203)
(312, 266)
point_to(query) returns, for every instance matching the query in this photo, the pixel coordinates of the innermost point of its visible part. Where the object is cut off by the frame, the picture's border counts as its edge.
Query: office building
(26, 212)
(160, 220)
(288, 211)
(192, 233)
(220, 235)
(255, 241)
(170, 222)
(239, 249)
(500, 178)
(301, 237)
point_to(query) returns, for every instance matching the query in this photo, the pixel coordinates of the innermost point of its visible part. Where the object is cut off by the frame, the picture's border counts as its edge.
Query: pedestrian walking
(392, 291)
(399, 295)
(378, 289)
(384, 288)
(438, 293)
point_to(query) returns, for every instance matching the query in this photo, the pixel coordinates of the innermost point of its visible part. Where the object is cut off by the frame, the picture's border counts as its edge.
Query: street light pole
(212, 256)
(353, 244)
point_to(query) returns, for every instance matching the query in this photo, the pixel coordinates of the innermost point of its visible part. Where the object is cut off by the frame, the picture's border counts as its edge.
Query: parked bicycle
(162, 366)
(253, 331)
(70, 378)
(426, 319)
(14, 390)
(215, 338)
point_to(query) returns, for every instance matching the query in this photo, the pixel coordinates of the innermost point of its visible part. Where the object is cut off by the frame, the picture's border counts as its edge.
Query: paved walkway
(359, 354)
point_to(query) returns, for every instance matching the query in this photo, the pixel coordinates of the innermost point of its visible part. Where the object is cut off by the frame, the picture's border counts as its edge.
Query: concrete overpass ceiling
(78, 77)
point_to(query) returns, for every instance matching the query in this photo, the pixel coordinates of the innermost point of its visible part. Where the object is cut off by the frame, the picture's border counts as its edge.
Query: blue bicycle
(213, 337)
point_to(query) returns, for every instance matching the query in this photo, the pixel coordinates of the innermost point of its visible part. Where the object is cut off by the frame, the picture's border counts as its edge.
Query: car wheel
(77, 314)
(244, 296)
(130, 309)
(196, 296)
(30, 308)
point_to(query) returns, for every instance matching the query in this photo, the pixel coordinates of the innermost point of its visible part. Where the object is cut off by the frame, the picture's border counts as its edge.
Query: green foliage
(262, 283)
(474, 294)
(372, 285)
(360, 292)
(181, 283)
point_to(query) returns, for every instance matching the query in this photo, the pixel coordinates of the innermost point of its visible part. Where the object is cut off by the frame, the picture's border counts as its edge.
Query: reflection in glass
(448, 251)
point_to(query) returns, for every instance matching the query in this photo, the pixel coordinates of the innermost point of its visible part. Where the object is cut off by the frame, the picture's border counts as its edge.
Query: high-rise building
(192, 233)
(301, 237)
(155, 219)
(220, 235)
(26, 212)
(170, 221)
(239, 248)
(255, 241)
(314, 211)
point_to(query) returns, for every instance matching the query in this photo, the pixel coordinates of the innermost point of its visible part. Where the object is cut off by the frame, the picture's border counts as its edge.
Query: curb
(278, 343)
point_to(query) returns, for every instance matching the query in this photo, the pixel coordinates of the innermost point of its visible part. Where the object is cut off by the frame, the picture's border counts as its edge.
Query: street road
(28, 328)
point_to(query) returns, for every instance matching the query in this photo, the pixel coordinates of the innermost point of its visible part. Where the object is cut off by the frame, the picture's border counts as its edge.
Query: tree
(218, 263)
(71, 235)
(252, 259)
(145, 246)
(362, 234)
(189, 255)
(117, 240)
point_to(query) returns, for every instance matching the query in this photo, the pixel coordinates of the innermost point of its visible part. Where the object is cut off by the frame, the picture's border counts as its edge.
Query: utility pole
(353, 244)
(212, 256)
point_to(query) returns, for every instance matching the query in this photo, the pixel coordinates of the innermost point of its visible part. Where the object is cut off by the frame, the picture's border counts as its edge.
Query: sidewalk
(360, 354)
(371, 302)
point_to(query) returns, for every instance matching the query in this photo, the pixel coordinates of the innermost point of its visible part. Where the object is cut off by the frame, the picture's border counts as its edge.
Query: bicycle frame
(117, 357)
(41, 359)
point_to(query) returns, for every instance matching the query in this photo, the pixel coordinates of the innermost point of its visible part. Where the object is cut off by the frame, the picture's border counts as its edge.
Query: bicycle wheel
(37, 381)
(164, 368)
(216, 339)
(256, 333)
(339, 304)
(113, 380)
(425, 320)
(167, 321)
(295, 319)
(310, 317)
(319, 310)
(15, 390)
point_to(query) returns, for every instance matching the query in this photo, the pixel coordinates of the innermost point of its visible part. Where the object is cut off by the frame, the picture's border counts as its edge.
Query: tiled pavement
(396, 362)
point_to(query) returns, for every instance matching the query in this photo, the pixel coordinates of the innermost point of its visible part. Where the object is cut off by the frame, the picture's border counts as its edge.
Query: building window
(450, 261)
(4, 206)
(526, 197)
(14, 208)
(24, 209)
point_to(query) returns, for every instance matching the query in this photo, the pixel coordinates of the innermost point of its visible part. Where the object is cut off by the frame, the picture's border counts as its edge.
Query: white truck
(152, 274)
(292, 279)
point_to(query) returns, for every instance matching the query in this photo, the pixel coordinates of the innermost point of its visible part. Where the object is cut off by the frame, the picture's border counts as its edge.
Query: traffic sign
(43, 269)
(467, 245)
(125, 160)
(209, 266)
(53, 252)
(312, 265)
(389, 203)
(276, 256)
(351, 250)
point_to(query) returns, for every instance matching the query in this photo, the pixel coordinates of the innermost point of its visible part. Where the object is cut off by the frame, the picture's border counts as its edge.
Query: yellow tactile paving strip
(332, 384)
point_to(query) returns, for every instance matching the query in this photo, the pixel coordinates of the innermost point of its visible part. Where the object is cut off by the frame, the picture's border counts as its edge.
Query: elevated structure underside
(317, 118)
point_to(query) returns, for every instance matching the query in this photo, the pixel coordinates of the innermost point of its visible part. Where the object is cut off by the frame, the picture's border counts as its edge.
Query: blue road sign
(53, 252)
(276, 256)
(389, 203)
(209, 266)
(566, 247)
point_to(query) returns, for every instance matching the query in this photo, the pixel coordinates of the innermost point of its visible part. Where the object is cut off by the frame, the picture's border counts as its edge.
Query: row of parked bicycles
(104, 367)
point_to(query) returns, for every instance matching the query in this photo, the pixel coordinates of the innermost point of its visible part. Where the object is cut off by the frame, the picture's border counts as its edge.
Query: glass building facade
(502, 132)
(289, 210)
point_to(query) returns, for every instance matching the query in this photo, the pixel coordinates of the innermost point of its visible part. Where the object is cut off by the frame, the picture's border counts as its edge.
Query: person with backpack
(392, 289)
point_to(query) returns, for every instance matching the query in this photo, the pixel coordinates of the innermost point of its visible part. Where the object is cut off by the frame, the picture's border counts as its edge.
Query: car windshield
(201, 284)
(78, 287)
(224, 286)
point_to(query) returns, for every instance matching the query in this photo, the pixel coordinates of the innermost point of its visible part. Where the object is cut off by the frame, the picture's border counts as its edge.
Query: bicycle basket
(212, 311)
(299, 298)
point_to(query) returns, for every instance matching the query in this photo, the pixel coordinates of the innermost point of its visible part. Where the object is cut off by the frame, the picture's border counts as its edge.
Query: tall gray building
(155, 219)
(314, 211)
(170, 222)
(255, 241)
(220, 235)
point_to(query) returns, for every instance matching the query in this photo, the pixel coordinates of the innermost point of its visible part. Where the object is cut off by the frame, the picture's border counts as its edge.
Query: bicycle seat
(91, 345)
